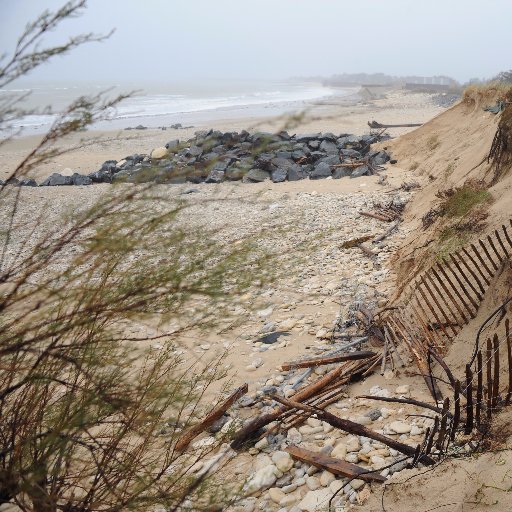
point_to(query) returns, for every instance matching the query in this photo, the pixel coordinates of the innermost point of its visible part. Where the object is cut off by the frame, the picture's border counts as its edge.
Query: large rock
(296, 173)
(261, 479)
(57, 180)
(360, 171)
(100, 177)
(28, 182)
(279, 175)
(328, 147)
(215, 176)
(321, 170)
(257, 175)
(282, 460)
(159, 153)
(342, 172)
(80, 180)
(314, 501)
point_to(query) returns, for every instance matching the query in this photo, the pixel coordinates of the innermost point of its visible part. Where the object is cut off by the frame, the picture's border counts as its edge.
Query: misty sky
(183, 40)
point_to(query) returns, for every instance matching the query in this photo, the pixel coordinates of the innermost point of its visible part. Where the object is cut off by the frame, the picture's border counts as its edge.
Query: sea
(164, 105)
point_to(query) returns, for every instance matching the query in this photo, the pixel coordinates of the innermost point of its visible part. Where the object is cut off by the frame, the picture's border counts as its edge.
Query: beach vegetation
(95, 390)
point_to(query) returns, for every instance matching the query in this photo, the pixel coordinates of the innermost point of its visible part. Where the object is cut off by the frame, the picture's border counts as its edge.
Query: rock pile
(214, 156)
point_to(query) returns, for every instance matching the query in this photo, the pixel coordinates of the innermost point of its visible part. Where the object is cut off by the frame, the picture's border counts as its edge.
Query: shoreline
(96, 146)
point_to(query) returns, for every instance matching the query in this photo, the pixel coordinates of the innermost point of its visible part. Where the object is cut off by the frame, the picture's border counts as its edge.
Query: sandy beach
(340, 116)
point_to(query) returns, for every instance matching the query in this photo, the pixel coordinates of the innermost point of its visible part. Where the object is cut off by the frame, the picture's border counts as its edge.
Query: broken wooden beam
(319, 361)
(250, 429)
(408, 401)
(377, 216)
(353, 428)
(335, 466)
(216, 413)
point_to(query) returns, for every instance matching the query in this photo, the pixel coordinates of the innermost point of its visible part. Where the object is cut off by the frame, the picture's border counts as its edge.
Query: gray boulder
(101, 176)
(314, 144)
(57, 180)
(28, 182)
(296, 173)
(360, 171)
(279, 175)
(257, 175)
(321, 170)
(328, 147)
(342, 172)
(215, 176)
(308, 137)
(80, 180)
(331, 160)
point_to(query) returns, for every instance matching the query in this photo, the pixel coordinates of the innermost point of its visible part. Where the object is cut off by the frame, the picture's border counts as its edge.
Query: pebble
(282, 460)
(276, 494)
(352, 443)
(315, 501)
(403, 390)
(400, 427)
(262, 479)
(339, 451)
(313, 483)
(326, 478)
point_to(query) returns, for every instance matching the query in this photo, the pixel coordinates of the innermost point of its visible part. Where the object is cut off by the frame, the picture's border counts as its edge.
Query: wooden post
(488, 356)
(469, 400)
(456, 412)
(509, 352)
(496, 380)
(442, 428)
(479, 388)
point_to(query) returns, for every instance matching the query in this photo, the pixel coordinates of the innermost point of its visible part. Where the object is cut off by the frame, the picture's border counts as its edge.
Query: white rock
(339, 451)
(294, 436)
(352, 457)
(282, 460)
(262, 479)
(261, 444)
(313, 422)
(416, 431)
(315, 501)
(326, 478)
(336, 485)
(262, 460)
(289, 392)
(313, 483)
(288, 500)
(288, 325)
(403, 390)
(357, 484)
(276, 494)
(352, 443)
(322, 333)
(400, 427)
(159, 153)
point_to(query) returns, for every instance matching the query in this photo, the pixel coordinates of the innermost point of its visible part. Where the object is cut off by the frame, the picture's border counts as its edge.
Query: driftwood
(335, 466)
(376, 216)
(319, 361)
(350, 164)
(353, 428)
(408, 401)
(367, 251)
(250, 430)
(211, 418)
(376, 125)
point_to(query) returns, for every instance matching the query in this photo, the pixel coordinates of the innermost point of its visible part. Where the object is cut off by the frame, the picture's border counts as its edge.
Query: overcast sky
(183, 40)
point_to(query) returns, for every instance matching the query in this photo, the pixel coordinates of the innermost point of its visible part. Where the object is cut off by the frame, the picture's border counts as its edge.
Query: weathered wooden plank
(335, 466)
(211, 418)
(319, 361)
